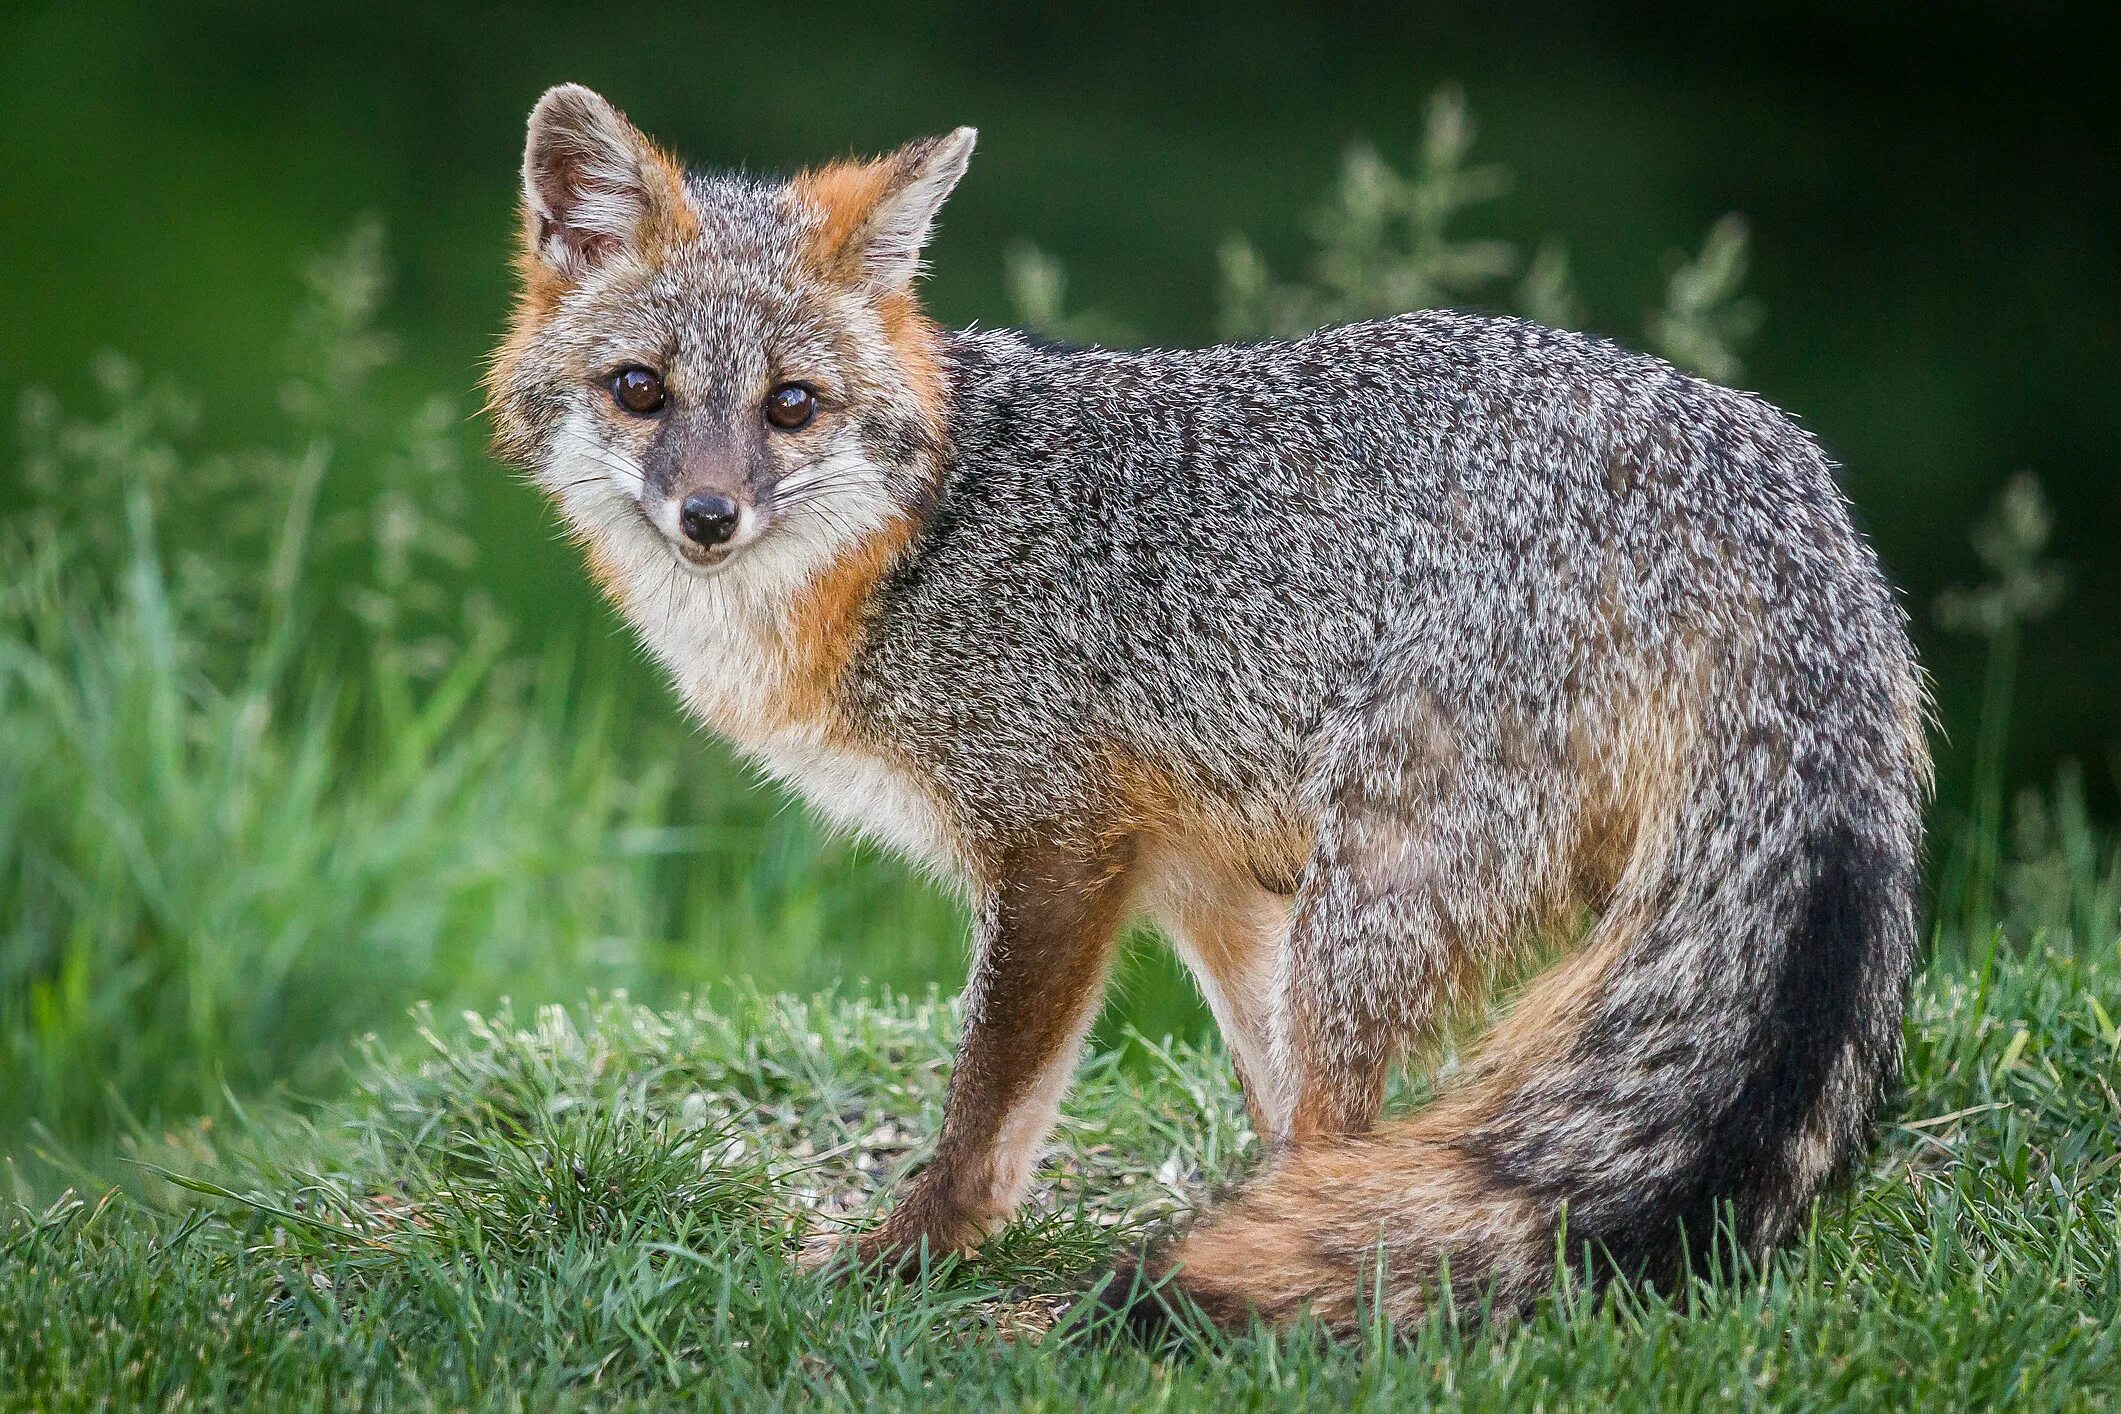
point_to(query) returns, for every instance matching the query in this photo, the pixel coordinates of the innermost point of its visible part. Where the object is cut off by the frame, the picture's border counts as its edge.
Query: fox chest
(738, 688)
(746, 697)
(858, 793)
(732, 659)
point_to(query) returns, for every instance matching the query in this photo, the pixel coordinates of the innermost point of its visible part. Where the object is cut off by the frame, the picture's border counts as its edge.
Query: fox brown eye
(638, 390)
(791, 406)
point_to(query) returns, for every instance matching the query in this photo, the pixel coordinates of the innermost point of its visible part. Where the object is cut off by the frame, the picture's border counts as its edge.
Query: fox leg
(1233, 958)
(1228, 930)
(1435, 852)
(1432, 853)
(1043, 942)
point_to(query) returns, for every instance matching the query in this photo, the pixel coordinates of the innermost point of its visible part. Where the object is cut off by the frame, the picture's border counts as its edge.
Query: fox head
(708, 372)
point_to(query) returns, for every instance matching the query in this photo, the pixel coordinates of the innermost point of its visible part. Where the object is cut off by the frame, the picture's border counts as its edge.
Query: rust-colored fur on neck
(824, 625)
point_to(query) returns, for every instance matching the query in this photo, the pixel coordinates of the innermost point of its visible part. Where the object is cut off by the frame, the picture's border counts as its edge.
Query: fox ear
(877, 215)
(591, 182)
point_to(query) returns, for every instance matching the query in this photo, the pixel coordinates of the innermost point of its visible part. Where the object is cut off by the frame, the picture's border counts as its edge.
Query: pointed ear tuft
(591, 182)
(877, 216)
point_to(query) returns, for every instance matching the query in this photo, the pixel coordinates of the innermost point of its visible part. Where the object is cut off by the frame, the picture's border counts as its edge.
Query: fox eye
(638, 390)
(791, 406)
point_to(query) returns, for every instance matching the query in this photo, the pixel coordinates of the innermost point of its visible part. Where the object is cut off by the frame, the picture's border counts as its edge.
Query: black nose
(707, 519)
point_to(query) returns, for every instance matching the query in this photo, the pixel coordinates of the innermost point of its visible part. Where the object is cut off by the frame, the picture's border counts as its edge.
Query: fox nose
(707, 519)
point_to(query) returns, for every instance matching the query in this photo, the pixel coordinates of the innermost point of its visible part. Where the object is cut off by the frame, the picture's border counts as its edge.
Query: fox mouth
(703, 561)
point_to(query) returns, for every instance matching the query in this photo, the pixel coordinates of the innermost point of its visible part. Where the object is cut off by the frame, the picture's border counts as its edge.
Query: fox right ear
(591, 183)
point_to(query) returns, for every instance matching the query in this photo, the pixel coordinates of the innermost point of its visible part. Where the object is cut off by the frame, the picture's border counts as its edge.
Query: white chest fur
(722, 650)
(719, 639)
(857, 792)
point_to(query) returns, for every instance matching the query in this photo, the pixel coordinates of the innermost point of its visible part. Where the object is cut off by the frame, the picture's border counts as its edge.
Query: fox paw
(900, 1246)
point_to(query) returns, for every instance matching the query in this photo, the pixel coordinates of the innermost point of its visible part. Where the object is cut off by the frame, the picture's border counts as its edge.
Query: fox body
(1363, 663)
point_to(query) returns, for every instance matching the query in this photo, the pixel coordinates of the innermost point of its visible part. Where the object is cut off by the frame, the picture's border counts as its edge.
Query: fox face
(716, 376)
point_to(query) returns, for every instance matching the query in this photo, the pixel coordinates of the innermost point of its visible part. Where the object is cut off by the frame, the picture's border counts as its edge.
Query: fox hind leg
(1436, 851)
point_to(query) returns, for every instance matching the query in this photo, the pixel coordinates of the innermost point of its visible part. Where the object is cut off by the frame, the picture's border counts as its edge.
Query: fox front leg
(1042, 944)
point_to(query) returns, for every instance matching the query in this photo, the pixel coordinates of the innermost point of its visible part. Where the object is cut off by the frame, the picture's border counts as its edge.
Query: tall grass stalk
(2022, 587)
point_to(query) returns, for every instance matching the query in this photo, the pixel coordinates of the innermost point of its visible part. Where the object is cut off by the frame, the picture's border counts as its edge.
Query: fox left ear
(877, 216)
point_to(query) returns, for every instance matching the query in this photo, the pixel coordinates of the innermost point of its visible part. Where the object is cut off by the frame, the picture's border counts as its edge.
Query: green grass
(599, 1208)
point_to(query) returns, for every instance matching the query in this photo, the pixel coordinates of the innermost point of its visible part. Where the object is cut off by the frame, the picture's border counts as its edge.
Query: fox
(1432, 671)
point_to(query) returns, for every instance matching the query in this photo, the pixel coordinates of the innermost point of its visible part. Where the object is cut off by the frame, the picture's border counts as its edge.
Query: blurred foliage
(2023, 585)
(2010, 543)
(1706, 322)
(1387, 242)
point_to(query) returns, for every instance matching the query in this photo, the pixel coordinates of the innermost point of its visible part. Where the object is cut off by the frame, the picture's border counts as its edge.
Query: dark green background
(1931, 190)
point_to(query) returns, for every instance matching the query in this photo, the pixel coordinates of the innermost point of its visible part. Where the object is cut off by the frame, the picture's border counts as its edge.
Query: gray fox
(1370, 665)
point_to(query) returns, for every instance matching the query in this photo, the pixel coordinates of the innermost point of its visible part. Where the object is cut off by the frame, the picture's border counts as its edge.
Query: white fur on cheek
(585, 469)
